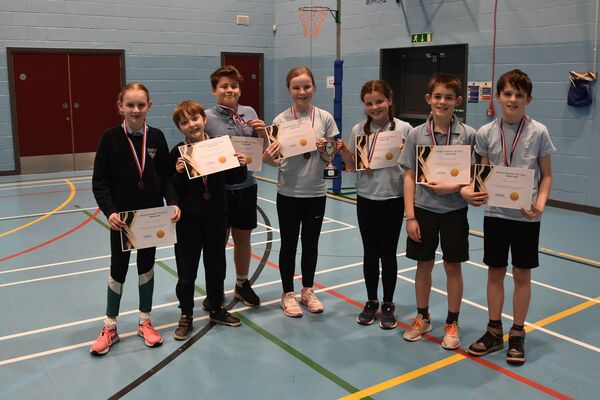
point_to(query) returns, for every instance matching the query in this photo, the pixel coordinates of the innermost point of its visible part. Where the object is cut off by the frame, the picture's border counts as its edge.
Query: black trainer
(516, 347)
(388, 316)
(246, 294)
(222, 316)
(369, 313)
(491, 341)
(185, 326)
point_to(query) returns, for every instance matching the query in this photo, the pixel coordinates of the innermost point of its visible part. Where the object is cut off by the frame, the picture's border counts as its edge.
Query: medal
(138, 164)
(448, 134)
(207, 195)
(508, 158)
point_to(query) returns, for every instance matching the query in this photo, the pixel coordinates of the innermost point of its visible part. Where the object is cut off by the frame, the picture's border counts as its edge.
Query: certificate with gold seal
(252, 148)
(149, 227)
(507, 187)
(295, 137)
(209, 156)
(378, 150)
(444, 164)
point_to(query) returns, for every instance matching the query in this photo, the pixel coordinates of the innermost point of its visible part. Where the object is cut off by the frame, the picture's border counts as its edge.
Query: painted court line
(46, 215)
(42, 182)
(40, 214)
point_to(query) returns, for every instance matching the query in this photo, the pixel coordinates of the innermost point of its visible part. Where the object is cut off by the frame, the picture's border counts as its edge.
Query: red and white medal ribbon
(140, 166)
(448, 134)
(237, 118)
(312, 115)
(507, 159)
(371, 147)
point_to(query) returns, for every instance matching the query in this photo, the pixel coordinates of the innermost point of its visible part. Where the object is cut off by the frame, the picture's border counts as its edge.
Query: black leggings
(380, 222)
(194, 235)
(293, 212)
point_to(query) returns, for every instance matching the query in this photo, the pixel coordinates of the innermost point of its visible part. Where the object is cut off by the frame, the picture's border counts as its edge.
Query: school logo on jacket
(151, 152)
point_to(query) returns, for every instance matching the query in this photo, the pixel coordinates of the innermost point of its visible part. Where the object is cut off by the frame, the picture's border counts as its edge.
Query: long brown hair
(385, 89)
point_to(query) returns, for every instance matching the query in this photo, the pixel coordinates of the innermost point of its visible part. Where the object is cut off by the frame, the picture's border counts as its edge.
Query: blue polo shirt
(534, 143)
(382, 183)
(220, 123)
(298, 176)
(426, 198)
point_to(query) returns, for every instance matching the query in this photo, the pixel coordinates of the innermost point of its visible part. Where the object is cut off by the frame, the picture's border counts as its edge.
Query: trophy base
(331, 174)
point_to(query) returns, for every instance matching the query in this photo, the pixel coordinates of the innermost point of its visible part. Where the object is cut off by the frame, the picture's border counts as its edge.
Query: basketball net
(312, 19)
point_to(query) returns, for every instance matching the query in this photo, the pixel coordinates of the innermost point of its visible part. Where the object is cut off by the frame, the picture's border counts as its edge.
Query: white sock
(239, 279)
(144, 316)
(110, 322)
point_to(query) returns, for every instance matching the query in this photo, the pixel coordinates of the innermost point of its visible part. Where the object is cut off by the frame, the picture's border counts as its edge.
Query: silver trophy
(330, 171)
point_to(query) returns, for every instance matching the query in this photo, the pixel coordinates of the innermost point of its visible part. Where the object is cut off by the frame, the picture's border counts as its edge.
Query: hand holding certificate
(295, 137)
(209, 156)
(443, 164)
(379, 150)
(149, 227)
(507, 187)
(252, 148)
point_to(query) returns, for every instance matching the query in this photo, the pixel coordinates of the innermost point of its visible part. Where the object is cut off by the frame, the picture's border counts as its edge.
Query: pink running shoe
(151, 337)
(108, 337)
(308, 298)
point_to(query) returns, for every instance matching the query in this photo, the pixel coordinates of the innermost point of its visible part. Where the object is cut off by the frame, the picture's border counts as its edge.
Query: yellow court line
(35, 221)
(380, 387)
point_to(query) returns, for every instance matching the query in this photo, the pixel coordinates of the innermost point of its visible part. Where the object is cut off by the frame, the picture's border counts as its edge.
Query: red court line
(54, 239)
(478, 360)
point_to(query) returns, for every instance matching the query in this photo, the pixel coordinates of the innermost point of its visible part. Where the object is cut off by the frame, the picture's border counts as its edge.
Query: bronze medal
(369, 171)
(141, 185)
(207, 195)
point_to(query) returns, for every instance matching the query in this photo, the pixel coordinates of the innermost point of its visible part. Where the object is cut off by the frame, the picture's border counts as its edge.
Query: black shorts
(451, 228)
(521, 237)
(241, 208)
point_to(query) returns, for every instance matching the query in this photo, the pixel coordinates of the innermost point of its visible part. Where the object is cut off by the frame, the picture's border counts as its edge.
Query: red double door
(250, 66)
(62, 102)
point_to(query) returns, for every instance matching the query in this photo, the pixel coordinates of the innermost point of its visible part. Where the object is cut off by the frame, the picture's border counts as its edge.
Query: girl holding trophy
(380, 197)
(301, 190)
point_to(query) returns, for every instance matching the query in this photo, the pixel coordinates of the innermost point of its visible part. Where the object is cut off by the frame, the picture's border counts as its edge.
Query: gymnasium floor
(54, 262)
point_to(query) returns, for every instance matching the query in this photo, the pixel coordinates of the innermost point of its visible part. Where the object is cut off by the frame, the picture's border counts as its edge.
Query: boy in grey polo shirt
(515, 140)
(437, 210)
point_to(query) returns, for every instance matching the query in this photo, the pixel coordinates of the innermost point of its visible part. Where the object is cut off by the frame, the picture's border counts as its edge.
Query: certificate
(507, 187)
(448, 164)
(208, 156)
(150, 227)
(295, 137)
(252, 148)
(385, 151)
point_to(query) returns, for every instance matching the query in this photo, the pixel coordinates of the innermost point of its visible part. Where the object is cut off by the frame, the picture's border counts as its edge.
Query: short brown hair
(517, 79)
(450, 81)
(228, 71)
(189, 107)
(297, 71)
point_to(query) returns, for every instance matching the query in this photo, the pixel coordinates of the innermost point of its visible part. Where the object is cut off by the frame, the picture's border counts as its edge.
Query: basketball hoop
(312, 18)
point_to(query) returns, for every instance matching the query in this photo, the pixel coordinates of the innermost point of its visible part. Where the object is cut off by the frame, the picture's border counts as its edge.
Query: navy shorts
(522, 238)
(451, 228)
(241, 208)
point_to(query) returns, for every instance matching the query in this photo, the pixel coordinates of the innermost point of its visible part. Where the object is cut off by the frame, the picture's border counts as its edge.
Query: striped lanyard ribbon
(140, 166)
(312, 115)
(371, 147)
(448, 134)
(507, 160)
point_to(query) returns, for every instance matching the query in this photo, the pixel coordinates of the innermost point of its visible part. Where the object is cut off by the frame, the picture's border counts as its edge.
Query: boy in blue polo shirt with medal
(514, 140)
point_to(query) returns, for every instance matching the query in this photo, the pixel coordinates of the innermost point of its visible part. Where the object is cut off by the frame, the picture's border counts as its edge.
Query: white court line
(545, 285)
(17, 184)
(47, 278)
(510, 317)
(33, 184)
(40, 214)
(159, 306)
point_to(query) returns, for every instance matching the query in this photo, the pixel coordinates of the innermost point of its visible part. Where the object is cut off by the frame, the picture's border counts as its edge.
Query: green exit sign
(424, 37)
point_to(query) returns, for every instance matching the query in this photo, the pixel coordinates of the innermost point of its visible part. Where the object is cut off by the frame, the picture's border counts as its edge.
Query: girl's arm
(346, 155)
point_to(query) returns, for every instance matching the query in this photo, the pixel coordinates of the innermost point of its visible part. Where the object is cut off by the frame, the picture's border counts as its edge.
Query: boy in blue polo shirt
(228, 117)
(437, 211)
(515, 140)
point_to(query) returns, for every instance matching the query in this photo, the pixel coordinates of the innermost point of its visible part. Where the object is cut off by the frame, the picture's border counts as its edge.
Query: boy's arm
(412, 225)
(544, 188)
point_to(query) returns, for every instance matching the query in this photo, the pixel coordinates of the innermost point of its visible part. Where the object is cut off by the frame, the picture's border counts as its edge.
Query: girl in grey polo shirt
(301, 192)
(380, 203)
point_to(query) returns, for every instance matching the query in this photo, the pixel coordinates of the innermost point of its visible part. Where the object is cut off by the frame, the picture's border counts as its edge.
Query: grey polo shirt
(220, 123)
(461, 134)
(298, 176)
(534, 143)
(382, 183)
